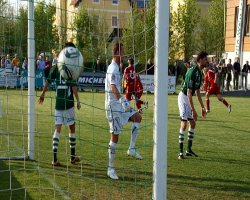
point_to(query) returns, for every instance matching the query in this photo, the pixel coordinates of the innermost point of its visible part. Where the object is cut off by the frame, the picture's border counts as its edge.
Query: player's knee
(192, 124)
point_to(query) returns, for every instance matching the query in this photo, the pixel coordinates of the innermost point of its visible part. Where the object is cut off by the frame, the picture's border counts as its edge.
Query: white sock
(134, 132)
(111, 151)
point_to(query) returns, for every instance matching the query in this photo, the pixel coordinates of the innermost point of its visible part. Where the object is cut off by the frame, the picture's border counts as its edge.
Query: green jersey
(64, 91)
(192, 80)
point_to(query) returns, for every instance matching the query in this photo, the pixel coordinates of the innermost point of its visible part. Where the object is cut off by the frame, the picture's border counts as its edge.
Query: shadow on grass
(10, 188)
(211, 183)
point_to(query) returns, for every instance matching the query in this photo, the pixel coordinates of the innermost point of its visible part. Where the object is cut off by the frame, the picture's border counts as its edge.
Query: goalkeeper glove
(125, 104)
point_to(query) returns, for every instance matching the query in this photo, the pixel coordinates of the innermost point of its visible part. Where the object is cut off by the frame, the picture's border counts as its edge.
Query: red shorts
(137, 94)
(214, 89)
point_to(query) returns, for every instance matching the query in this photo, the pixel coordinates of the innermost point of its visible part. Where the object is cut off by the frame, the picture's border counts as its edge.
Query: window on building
(96, 1)
(115, 2)
(247, 20)
(236, 20)
(114, 21)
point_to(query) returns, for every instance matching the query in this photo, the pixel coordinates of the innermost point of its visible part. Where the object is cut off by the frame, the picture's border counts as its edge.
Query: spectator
(47, 66)
(16, 64)
(245, 70)
(40, 63)
(25, 64)
(55, 58)
(150, 67)
(236, 71)
(222, 75)
(8, 66)
(3, 62)
(98, 66)
(229, 74)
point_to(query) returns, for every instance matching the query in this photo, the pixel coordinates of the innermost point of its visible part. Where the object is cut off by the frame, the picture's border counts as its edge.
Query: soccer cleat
(191, 153)
(207, 111)
(56, 163)
(112, 173)
(229, 107)
(181, 156)
(75, 160)
(134, 153)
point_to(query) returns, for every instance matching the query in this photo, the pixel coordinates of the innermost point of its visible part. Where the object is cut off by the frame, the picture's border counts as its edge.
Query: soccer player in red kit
(211, 87)
(134, 88)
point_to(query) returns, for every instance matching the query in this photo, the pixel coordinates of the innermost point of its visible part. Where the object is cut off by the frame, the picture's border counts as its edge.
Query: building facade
(114, 15)
(231, 39)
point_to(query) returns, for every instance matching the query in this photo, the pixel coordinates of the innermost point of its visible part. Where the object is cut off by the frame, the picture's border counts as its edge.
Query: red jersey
(132, 78)
(210, 85)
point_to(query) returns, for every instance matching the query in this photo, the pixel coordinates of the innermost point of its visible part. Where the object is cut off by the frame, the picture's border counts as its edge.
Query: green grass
(220, 172)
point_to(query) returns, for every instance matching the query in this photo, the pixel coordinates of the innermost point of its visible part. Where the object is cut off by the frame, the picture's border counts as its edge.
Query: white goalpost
(31, 80)
(161, 105)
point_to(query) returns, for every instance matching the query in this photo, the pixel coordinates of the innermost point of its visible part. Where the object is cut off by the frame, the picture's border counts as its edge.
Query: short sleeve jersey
(64, 92)
(113, 77)
(131, 77)
(192, 80)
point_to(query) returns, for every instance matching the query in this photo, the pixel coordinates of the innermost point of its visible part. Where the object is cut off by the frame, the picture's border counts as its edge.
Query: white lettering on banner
(91, 80)
(239, 29)
(148, 83)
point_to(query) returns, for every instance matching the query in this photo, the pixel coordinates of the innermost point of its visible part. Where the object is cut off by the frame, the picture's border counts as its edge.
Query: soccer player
(118, 110)
(134, 88)
(187, 110)
(64, 109)
(211, 87)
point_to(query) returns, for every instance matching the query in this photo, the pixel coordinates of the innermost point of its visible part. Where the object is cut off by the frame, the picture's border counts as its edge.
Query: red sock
(138, 104)
(208, 104)
(225, 102)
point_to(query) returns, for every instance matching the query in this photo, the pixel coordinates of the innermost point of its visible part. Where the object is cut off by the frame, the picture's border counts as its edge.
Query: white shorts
(66, 117)
(117, 118)
(184, 107)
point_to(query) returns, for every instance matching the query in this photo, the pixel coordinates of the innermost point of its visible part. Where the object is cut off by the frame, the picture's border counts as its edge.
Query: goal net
(93, 26)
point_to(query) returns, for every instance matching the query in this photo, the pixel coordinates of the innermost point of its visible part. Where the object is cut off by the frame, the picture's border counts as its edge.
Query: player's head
(130, 61)
(202, 59)
(118, 52)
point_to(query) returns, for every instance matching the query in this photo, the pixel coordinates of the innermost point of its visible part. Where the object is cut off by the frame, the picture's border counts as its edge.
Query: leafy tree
(184, 30)
(89, 34)
(138, 38)
(216, 22)
(46, 35)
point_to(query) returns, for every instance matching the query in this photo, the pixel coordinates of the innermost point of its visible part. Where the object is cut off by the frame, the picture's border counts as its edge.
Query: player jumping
(211, 87)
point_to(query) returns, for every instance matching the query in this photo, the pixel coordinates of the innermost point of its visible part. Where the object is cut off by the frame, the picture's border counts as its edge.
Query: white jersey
(113, 77)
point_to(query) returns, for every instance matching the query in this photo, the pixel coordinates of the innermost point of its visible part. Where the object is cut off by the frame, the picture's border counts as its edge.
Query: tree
(216, 23)
(45, 32)
(184, 30)
(138, 37)
(89, 34)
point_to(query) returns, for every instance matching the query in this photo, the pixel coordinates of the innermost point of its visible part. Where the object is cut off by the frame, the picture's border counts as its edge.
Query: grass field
(220, 172)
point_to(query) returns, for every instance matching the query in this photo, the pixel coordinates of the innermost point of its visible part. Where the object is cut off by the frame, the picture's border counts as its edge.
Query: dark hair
(117, 48)
(201, 55)
(69, 44)
(131, 61)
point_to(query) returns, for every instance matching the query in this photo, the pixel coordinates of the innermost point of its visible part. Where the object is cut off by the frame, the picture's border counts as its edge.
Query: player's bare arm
(115, 91)
(75, 92)
(41, 98)
(203, 110)
(191, 103)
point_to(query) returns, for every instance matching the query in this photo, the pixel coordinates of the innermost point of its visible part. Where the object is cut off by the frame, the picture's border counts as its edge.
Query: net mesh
(93, 27)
